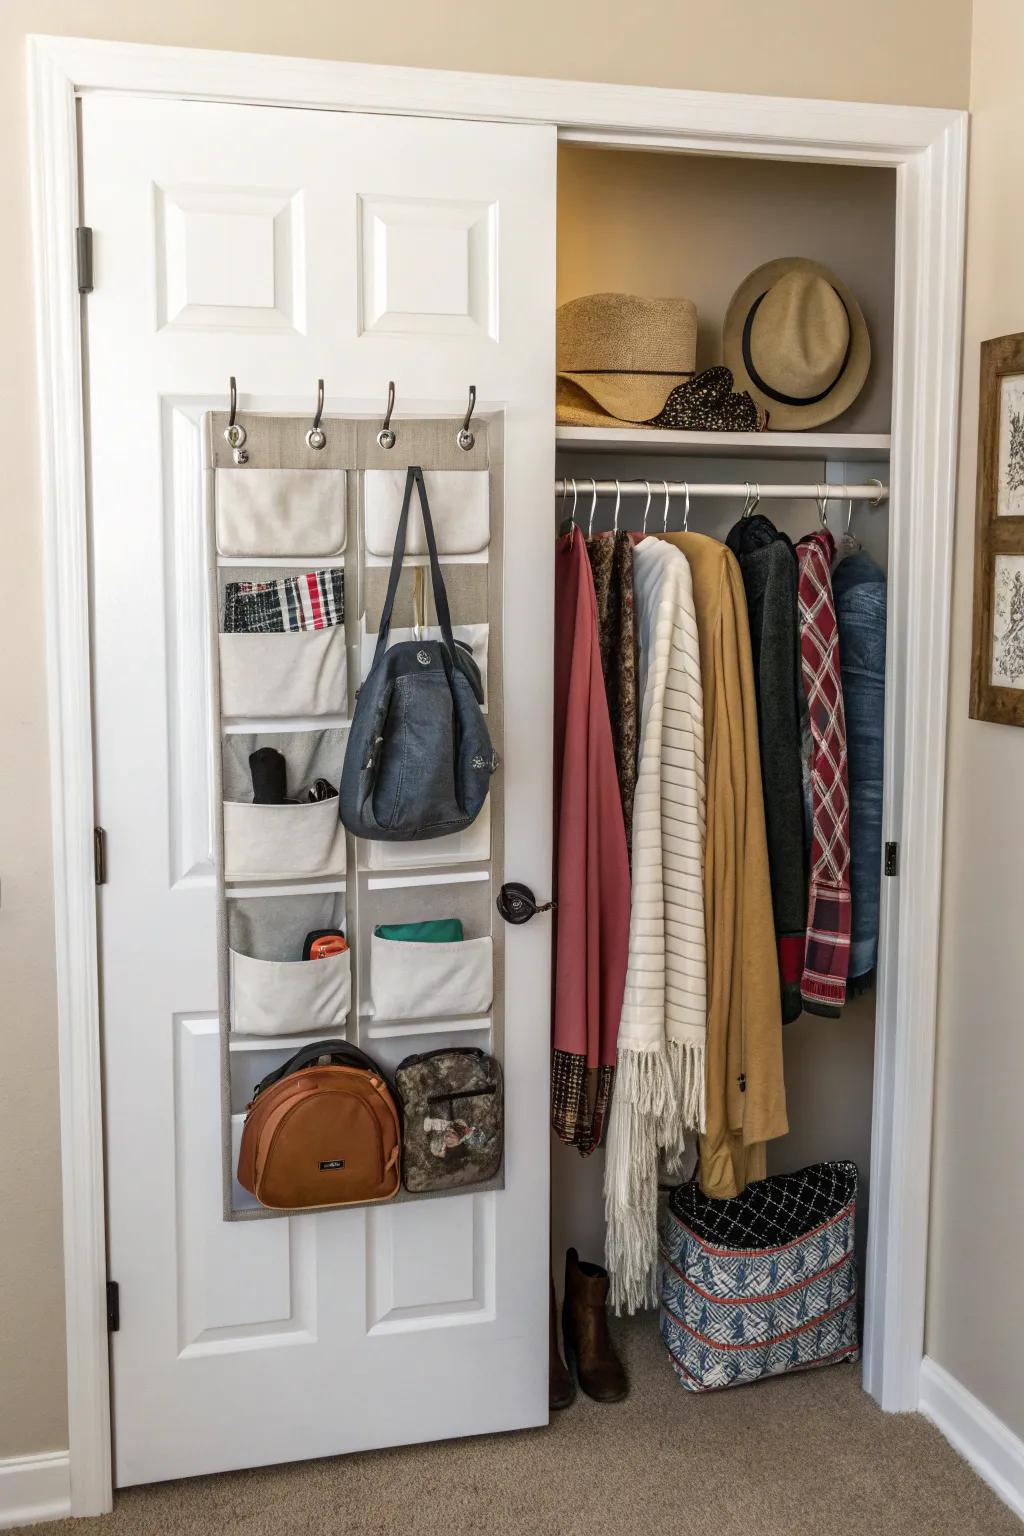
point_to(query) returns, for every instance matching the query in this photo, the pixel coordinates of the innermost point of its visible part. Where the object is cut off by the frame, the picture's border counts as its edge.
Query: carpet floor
(797, 1456)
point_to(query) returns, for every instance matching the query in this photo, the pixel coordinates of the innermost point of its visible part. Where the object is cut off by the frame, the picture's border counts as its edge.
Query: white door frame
(927, 148)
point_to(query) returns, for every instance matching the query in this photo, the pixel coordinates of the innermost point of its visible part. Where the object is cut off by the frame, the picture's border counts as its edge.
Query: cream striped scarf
(659, 1083)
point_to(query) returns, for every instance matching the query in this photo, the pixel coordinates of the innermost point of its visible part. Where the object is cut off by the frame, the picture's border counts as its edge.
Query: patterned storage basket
(761, 1284)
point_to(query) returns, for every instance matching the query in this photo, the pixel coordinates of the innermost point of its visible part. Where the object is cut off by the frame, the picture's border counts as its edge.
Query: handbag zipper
(464, 1093)
(444, 1050)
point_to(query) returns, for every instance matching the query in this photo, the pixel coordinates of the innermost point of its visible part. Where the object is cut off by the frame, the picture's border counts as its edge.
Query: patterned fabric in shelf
(314, 600)
(761, 1284)
(708, 403)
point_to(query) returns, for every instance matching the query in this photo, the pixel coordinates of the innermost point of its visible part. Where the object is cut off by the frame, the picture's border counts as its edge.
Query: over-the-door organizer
(300, 541)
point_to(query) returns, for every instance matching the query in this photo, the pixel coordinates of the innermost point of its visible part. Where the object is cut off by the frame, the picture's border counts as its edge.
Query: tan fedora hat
(795, 337)
(621, 356)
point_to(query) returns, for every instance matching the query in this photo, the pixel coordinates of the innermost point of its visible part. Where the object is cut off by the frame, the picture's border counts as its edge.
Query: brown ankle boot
(585, 1331)
(561, 1387)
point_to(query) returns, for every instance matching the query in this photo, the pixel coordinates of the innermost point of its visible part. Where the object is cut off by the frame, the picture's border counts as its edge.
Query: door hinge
(892, 858)
(99, 854)
(83, 254)
(113, 1306)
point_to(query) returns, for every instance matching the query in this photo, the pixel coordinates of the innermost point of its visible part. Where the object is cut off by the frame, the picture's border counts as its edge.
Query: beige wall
(873, 50)
(977, 1244)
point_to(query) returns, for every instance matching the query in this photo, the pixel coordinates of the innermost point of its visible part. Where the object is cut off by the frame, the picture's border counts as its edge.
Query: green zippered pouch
(435, 930)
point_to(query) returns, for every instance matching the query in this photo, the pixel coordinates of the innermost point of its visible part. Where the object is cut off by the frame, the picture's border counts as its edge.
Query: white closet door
(279, 246)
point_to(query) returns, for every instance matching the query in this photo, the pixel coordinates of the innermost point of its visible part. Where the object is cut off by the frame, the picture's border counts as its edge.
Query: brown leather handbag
(321, 1130)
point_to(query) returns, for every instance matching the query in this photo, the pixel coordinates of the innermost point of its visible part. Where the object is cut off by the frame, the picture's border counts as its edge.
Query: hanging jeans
(859, 593)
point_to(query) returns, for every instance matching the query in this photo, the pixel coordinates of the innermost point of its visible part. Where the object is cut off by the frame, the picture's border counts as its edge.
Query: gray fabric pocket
(470, 845)
(410, 980)
(280, 511)
(459, 501)
(275, 842)
(276, 676)
(281, 997)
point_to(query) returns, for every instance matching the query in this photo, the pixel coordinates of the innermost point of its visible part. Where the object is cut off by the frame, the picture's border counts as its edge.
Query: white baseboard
(994, 1451)
(35, 1488)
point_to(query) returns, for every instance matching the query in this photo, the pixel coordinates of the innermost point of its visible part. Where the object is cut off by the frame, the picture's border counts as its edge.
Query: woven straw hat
(621, 356)
(795, 337)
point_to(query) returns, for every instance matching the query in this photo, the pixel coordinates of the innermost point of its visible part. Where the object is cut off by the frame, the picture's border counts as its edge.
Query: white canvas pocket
(459, 507)
(277, 842)
(287, 997)
(471, 845)
(423, 981)
(280, 511)
(473, 635)
(275, 676)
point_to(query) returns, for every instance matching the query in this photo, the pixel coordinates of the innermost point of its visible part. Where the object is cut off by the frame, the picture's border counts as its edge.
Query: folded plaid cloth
(314, 600)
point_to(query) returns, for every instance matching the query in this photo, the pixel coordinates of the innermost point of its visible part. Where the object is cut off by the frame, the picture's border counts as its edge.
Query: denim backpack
(419, 758)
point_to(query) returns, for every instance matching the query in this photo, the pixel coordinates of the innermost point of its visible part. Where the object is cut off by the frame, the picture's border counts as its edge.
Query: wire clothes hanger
(822, 499)
(567, 527)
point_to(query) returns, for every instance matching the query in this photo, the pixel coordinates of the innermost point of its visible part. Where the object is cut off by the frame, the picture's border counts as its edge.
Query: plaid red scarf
(827, 955)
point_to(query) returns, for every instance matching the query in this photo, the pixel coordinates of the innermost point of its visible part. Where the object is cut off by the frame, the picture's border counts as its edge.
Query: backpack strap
(414, 477)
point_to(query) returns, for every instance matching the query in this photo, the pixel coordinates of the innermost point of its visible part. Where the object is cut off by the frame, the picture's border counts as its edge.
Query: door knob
(517, 903)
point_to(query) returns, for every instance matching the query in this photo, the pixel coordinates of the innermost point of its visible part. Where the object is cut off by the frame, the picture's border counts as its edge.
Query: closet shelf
(282, 562)
(401, 882)
(843, 447)
(313, 887)
(254, 725)
(389, 1029)
(287, 1043)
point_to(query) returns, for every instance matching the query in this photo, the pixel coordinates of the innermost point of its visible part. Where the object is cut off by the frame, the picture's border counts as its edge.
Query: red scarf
(591, 865)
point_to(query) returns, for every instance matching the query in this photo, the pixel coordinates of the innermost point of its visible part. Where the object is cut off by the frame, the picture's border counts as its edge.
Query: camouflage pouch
(453, 1118)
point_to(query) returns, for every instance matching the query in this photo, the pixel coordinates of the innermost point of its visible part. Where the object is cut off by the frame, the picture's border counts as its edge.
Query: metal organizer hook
(464, 436)
(234, 433)
(385, 437)
(316, 437)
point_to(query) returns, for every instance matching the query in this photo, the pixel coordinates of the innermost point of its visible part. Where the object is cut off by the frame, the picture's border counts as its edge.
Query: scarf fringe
(644, 1079)
(685, 1063)
(659, 1095)
(631, 1200)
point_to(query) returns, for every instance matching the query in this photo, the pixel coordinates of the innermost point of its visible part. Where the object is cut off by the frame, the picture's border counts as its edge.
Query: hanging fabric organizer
(300, 541)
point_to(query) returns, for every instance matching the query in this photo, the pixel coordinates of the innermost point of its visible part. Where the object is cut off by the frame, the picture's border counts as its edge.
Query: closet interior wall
(660, 224)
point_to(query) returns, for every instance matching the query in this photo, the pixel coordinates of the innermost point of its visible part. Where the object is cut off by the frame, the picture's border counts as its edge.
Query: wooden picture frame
(997, 659)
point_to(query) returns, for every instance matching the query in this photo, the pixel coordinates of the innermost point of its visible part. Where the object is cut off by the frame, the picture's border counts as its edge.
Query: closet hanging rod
(817, 491)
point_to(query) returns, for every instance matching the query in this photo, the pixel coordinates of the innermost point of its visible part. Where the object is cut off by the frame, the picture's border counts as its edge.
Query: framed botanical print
(997, 662)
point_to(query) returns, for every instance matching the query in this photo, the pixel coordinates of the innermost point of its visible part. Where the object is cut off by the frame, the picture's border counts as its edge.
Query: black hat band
(766, 389)
(633, 373)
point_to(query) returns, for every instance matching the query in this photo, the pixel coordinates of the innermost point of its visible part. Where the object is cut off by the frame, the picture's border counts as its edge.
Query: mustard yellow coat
(746, 1095)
